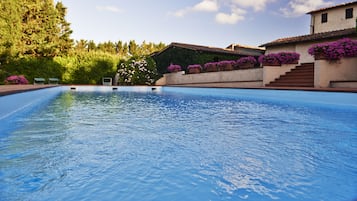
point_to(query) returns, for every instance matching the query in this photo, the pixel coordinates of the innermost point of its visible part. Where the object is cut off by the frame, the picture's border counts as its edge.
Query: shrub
(225, 63)
(335, 50)
(269, 59)
(245, 60)
(349, 47)
(174, 68)
(137, 71)
(192, 66)
(16, 79)
(210, 66)
(288, 57)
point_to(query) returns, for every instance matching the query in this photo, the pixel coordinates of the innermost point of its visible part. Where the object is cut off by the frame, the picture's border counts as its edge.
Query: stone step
(300, 76)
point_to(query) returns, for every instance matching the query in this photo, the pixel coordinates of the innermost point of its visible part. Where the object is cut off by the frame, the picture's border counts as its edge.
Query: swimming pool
(180, 144)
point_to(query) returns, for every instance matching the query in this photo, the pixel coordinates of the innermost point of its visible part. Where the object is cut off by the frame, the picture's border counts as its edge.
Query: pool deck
(12, 89)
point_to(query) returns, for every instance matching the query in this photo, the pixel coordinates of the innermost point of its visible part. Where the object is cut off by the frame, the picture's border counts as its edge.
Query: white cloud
(204, 6)
(257, 5)
(207, 5)
(236, 16)
(238, 9)
(301, 7)
(109, 8)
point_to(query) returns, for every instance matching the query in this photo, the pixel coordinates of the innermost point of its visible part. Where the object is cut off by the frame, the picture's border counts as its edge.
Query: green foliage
(32, 67)
(35, 42)
(137, 71)
(87, 67)
(185, 57)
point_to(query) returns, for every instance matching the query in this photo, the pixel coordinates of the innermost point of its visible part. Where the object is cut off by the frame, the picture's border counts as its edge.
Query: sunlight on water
(167, 146)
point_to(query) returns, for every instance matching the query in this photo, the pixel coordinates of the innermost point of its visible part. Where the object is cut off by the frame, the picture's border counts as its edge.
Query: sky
(215, 23)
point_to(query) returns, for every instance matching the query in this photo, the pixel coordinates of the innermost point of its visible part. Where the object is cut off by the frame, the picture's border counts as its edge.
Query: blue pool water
(181, 144)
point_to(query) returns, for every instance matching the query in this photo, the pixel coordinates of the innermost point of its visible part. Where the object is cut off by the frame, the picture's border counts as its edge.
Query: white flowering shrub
(137, 71)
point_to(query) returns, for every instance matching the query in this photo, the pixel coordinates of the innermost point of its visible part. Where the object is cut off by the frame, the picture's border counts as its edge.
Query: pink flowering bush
(210, 66)
(193, 66)
(245, 60)
(279, 58)
(174, 68)
(225, 63)
(16, 79)
(349, 47)
(288, 57)
(345, 47)
(269, 59)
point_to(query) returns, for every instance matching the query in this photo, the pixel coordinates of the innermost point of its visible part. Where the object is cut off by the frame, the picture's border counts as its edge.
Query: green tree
(10, 28)
(65, 31)
(133, 48)
(91, 46)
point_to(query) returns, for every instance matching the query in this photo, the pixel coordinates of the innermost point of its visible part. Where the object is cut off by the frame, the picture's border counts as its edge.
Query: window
(349, 13)
(324, 18)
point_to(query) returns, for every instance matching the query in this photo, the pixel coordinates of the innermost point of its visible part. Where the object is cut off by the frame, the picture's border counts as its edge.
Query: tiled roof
(312, 37)
(200, 48)
(336, 6)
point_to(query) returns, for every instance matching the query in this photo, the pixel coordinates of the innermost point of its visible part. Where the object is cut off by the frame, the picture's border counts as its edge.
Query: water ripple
(133, 146)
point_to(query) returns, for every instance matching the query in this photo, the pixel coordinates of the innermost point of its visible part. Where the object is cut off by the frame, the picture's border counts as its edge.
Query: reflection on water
(152, 146)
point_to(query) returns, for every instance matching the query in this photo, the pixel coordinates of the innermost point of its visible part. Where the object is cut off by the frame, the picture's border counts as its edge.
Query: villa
(327, 25)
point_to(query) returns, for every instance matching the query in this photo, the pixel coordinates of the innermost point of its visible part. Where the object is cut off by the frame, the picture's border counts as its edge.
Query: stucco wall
(301, 48)
(270, 73)
(180, 78)
(343, 70)
(336, 19)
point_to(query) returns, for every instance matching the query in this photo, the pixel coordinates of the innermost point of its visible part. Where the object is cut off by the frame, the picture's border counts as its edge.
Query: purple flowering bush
(174, 68)
(345, 47)
(288, 57)
(225, 63)
(246, 60)
(16, 79)
(194, 66)
(210, 67)
(349, 47)
(269, 59)
(279, 58)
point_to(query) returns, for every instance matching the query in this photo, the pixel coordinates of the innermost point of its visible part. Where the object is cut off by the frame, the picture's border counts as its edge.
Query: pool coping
(13, 89)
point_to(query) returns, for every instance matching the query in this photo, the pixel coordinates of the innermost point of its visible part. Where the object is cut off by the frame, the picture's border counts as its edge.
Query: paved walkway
(11, 89)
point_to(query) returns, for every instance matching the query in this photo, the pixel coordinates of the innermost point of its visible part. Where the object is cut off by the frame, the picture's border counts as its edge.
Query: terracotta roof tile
(336, 6)
(312, 37)
(202, 48)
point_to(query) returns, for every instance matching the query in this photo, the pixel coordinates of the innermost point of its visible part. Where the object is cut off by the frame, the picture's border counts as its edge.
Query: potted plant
(288, 57)
(194, 68)
(246, 62)
(269, 60)
(210, 67)
(345, 47)
(225, 65)
(174, 68)
(319, 51)
(349, 47)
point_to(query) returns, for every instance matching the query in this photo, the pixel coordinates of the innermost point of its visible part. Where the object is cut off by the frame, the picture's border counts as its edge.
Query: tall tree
(65, 41)
(133, 48)
(10, 28)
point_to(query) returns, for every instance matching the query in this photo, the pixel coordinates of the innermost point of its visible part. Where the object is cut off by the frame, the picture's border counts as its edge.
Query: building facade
(334, 18)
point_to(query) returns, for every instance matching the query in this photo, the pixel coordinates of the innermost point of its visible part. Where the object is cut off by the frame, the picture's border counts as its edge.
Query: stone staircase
(300, 76)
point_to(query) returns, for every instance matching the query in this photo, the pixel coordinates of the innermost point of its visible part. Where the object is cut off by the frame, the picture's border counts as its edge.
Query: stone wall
(236, 78)
(341, 71)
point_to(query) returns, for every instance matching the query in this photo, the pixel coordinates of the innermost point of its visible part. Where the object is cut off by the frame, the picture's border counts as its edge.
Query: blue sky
(217, 23)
